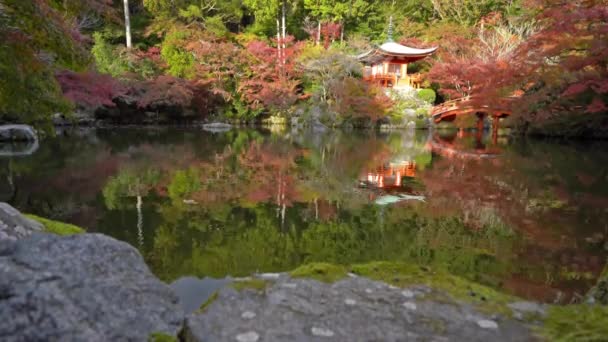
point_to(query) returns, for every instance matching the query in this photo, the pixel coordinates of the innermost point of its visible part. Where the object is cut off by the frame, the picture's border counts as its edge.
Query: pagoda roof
(395, 50)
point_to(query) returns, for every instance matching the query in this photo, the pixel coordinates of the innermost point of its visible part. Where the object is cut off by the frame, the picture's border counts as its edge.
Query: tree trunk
(278, 42)
(284, 29)
(140, 222)
(342, 31)
(127, 23)
(319, 33)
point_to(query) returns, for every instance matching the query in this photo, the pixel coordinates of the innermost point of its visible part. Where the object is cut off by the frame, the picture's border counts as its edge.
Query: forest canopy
(245, 60)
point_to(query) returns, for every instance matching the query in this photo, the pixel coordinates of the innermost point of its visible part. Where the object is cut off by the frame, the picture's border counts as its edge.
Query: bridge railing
(461, 102)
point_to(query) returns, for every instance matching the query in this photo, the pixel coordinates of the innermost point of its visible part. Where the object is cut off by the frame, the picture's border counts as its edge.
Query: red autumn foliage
(219, 64)
(152, 54)
(416, 43)
(89, 89)
(575, 41)
(559, 64)
(170, 93)
(275, 78)
(330, 32)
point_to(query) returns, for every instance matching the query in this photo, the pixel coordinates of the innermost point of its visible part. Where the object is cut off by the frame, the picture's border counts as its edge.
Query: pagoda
(386, 65)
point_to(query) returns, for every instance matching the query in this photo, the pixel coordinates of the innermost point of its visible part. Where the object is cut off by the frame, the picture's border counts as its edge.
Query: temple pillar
(404, 77)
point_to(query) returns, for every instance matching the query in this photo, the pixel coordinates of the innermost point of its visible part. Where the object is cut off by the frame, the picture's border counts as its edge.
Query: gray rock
(248, 315)
(408, 293)
(350, 301)
(322, 332)
(17, 133)
(410, 306)
(315, 311)
(250, 336)
(59, 119)
(14, 226)
(527, 308)
(80, 117)
(487, 324)
(217, 127)
(85, 287)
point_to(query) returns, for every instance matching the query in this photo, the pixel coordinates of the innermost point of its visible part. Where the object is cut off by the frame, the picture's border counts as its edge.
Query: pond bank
(94, 287)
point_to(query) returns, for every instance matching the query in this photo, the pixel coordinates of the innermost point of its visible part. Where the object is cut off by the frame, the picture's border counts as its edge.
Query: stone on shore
(351, 309)
(17, 133)
(217, 127)
(86, 287)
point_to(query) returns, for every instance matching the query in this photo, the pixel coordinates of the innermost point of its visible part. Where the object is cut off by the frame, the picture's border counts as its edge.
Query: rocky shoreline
(90, 287)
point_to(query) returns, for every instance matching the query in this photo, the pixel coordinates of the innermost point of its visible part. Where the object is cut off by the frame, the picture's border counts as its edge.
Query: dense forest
(248, 60)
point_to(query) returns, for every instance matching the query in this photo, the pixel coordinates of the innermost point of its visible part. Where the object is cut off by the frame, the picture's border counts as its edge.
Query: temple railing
(391, 79)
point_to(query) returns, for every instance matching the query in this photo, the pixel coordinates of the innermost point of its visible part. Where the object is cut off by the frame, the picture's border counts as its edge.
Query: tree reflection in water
(522, 216)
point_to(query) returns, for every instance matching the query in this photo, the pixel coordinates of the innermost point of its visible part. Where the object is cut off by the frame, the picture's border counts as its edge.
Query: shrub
(355, 99)
(427, 95)
(107, 57)
(422, 112)
(180, 62)
(89, 89)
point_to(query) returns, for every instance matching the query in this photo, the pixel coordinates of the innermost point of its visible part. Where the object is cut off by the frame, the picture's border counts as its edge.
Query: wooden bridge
(450, 110)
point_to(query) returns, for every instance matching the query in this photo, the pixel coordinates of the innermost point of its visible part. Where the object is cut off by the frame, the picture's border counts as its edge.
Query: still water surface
(527, 217)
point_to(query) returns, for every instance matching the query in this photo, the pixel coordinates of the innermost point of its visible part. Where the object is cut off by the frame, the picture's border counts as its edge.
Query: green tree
(37, 40)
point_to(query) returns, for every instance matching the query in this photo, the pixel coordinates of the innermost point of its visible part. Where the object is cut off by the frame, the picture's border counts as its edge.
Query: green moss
(404, 274)
(161, 337)
(320, 271)
(254, 284)
(427, 95)
(208, 302)
(57, 227)
(576, 323)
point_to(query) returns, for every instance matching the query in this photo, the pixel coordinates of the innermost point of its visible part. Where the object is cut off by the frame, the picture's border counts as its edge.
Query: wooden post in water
(495, 123)
(480, 117)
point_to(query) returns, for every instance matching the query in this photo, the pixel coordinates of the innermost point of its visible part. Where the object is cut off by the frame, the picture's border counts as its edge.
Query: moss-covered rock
(208, 302)
(161, 337)
(57, 227)
(254, 284)
(576, 323)
(320, 271)
(405, 274)
(599, 293)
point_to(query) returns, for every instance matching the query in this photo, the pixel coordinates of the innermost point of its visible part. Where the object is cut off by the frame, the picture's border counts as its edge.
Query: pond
(526, 217)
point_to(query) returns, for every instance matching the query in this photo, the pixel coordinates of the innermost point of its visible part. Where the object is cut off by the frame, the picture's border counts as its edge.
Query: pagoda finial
(389, 33)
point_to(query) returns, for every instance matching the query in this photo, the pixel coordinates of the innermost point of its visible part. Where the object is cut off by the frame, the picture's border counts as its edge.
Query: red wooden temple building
(386, 65)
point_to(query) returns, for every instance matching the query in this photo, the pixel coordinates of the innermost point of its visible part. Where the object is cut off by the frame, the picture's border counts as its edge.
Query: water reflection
(529, 219)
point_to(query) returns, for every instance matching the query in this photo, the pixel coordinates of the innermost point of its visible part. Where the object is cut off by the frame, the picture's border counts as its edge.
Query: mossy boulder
(320, 271)
(406, 274)
(56, 227)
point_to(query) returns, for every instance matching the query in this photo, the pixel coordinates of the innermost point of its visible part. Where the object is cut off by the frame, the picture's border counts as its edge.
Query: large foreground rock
(14, 226)
(354, 309)
(86, 287)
